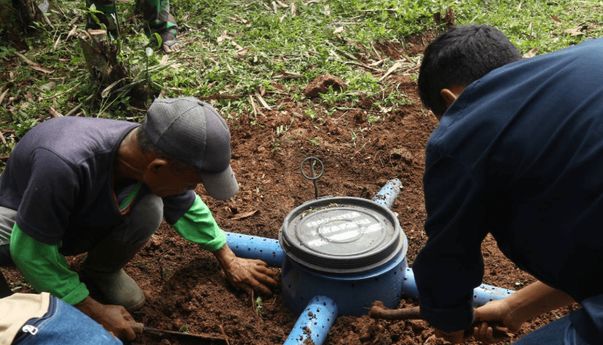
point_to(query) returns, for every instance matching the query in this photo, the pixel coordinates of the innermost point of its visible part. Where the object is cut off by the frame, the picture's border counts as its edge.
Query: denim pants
(580, 327)
(65, 325)
(559, 332)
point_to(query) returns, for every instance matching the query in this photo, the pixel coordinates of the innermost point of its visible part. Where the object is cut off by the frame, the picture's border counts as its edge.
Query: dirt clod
(322, 83)
(403, 154)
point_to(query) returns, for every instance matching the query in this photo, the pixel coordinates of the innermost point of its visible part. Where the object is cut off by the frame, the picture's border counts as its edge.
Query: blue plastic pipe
(314, 322)
(269, 250)
(481, 294)
(388, 193)
(254, 247)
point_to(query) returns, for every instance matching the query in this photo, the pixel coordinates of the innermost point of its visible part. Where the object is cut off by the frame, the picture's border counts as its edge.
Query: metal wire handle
(312, 161)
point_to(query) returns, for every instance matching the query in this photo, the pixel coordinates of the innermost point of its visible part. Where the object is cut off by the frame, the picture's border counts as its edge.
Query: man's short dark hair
(145, 144)
(458, 58)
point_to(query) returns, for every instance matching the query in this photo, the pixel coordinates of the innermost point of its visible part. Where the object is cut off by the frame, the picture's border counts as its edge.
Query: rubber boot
(114, 288)
(160, 21)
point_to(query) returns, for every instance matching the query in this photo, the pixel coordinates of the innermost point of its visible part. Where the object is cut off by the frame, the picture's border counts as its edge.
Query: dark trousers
(155, 12)
(110, 253)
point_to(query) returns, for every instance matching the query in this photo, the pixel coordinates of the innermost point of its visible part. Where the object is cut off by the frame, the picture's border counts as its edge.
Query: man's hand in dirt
(246, 274)
(114, 318)
(495, 312)
(519, 307)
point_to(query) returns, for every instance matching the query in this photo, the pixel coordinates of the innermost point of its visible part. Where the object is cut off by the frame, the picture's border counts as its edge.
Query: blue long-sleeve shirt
(519, 155)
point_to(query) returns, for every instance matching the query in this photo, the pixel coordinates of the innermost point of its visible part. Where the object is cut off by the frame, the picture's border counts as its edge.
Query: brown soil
(185, 288)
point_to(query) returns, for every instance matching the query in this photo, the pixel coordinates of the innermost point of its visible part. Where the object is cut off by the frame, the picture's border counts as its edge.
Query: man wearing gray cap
(102, 187)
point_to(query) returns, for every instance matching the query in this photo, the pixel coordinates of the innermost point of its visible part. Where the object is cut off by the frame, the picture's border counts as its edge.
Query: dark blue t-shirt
(59, 178)
(519, 155)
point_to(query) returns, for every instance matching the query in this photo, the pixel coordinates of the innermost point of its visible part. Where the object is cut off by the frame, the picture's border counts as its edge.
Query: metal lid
(341, 235)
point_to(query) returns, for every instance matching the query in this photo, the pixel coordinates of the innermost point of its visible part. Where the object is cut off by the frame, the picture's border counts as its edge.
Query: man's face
(165, 178)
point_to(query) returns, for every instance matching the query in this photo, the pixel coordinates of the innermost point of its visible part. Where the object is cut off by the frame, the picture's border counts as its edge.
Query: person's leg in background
(157, 14)
(104, 14)
(103, 269)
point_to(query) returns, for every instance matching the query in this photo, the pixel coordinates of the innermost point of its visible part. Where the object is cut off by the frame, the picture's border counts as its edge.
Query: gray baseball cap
(192, 131)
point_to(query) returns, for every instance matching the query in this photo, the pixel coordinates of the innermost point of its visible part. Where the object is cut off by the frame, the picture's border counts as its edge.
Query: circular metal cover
(341, 234)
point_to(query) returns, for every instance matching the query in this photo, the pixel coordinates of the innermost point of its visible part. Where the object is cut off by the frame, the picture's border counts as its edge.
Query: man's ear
(448, 96)
(156, 164)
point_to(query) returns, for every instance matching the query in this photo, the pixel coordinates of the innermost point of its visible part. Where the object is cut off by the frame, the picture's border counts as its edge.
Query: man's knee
(114, 251)
(146, 216)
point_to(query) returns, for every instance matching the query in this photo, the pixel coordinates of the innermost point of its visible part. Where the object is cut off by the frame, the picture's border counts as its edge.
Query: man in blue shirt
(519, 154)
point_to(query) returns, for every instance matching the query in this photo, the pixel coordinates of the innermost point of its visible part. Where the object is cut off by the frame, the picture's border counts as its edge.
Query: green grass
(540, 26)
(237, 49)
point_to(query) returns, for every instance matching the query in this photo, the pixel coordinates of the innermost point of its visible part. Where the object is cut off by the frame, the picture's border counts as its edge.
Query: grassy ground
(247, 55)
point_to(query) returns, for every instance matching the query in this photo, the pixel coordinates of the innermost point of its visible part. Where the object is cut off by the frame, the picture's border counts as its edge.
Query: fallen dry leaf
(33, 65)
(244, 215)
(223, 37)
(531, 53)
(391, 70)
(3, 95)
(577, 31)
(242, 52)
(54, 113)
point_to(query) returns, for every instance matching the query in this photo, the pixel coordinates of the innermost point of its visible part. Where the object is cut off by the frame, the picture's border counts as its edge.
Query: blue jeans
(559, 332)
(65, 325)
(581, 327)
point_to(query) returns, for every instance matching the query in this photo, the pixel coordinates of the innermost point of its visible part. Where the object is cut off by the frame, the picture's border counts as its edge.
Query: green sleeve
(45, 268)
(199, 226)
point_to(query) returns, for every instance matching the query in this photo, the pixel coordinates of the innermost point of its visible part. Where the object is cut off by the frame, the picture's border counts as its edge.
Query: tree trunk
(17, 16)
(101, 56)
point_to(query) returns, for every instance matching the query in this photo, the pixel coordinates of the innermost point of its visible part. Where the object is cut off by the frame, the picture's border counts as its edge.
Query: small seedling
(372, 118)
(259, 306)
(311, 113)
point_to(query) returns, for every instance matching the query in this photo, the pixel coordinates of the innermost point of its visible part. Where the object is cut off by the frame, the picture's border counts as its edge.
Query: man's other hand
(115, 318)
(519, 307)
(495, 312)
